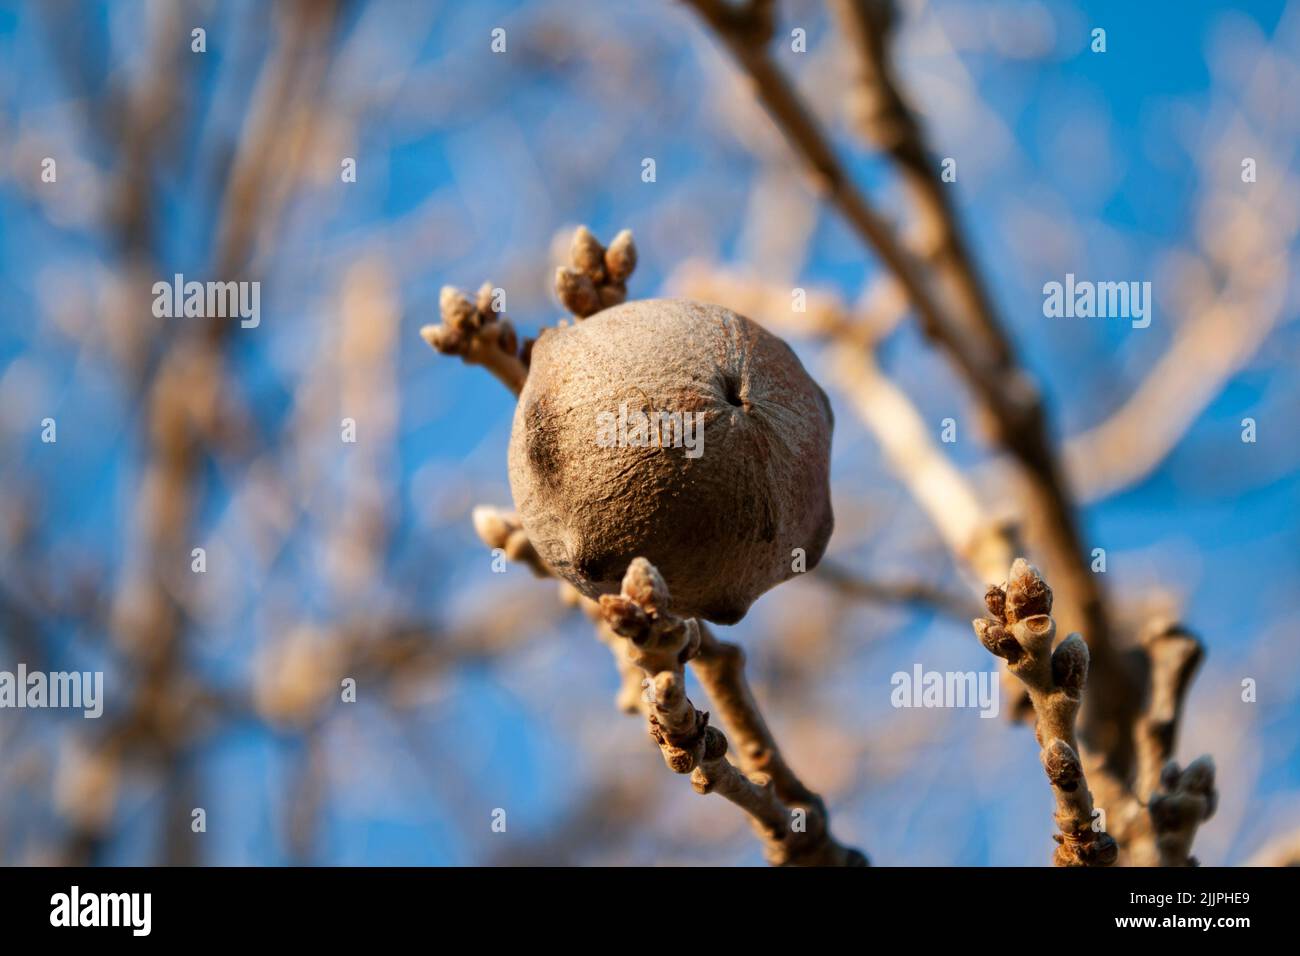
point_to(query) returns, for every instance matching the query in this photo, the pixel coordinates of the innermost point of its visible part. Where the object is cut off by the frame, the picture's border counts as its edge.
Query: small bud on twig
(457, 310)
(479, 335)
(1027, 594)
(1070, 665)
(1021, 631)
(1062, 765)
(576, 292)
(620, 257)
(588, 255)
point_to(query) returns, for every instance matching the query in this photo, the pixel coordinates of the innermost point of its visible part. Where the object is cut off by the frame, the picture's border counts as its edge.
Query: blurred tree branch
(980, 350)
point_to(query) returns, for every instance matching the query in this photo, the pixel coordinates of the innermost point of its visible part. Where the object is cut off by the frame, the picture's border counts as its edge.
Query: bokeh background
(478, 690)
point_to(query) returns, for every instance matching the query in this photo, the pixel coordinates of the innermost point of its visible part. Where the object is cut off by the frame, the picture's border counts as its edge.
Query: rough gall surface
(722, 527)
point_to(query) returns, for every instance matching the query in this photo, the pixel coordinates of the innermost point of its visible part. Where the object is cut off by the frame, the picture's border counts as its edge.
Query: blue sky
(468, 164)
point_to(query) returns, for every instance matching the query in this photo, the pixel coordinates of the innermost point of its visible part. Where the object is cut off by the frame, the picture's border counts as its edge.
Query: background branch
(1013, 405)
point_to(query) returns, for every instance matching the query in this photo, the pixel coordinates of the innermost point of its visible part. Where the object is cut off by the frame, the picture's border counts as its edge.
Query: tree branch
(790, 819)
(651, 647)
(1176, 801)
(921, 593)
(1013, 405)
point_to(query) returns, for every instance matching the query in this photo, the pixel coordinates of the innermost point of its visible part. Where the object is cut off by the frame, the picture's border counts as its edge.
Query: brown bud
(715, 743)
(483, 301)
(517, 546)
(624, 617)
(1170, 811)
(691, 647)
(997, 640)
(644, 585)
(444, 339)
(1101, 850)
(1170, 774)
(1199, 775)
(612, 295)
(719, 501)
(457, 310)
(1027, 594)
(576, 292)
(1198, 779)
(491, 525)
(587, 255)
(678, 760)
(1062, 765)
(620, 257)
(1070, 665)
(995, 599)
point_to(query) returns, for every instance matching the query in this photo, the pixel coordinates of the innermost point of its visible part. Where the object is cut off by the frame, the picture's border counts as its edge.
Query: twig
(921, 593)
(660, 645)
(1185, 799)
(1132, 744)
(720, 667)
(1174, 801)
(498, 528)
(1173, 656)
(887, 122)
(595, 279)
(1020, 630)
(475, 332)
(1217, 341)
(942, 491)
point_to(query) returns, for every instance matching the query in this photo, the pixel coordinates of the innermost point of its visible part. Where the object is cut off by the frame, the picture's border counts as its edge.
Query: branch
(921, 593)
(887, 122)
(502, 529)
(1184, 800)
(1020, 630)
(595, 279)
(1173, 656)
(1215, 344)
(1011, 401)
(650, 648)
(1177, 801)
(1112, 454)
(660, 644)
